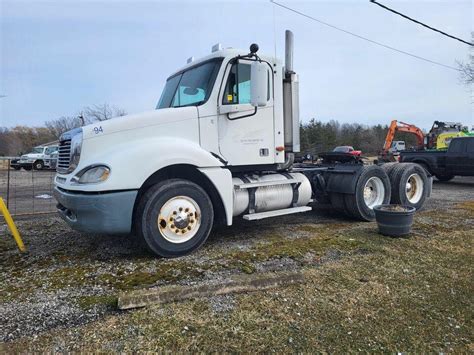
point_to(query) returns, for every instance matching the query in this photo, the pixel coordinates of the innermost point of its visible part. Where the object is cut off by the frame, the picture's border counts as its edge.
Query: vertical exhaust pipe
(289, 52)
(291, 112)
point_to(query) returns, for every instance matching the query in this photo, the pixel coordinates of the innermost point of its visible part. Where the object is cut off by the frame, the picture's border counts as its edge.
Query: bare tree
(467, 69)
(63, 124)
(101, 112)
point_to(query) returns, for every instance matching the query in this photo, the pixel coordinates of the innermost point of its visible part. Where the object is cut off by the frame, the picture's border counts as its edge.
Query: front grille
(64, 156)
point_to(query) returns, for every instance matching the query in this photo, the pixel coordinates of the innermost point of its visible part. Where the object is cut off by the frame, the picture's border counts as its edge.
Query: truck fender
(222, 181)
(425, 164)
(342, 178)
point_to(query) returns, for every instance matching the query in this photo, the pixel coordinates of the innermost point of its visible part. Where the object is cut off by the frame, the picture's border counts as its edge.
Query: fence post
(8, 183)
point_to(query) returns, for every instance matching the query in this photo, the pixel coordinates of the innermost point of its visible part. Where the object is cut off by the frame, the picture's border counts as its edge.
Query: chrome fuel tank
(257, 194)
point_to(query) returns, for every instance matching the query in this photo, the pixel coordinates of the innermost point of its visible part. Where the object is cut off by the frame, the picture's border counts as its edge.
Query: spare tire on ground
(409, 184)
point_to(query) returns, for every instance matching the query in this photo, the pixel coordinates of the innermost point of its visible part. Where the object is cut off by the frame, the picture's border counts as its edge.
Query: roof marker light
(190, 60)
(216, 47)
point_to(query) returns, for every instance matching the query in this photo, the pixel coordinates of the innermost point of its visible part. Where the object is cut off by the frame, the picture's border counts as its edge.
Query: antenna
(274, 30)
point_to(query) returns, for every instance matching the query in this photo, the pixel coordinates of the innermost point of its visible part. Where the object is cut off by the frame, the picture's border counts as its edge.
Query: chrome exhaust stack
(291, 112)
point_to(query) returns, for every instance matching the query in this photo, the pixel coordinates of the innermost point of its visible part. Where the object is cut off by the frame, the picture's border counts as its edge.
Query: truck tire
(388, 167)
(444, 178)
(372, 189)
(409, 185)
(174, 218)
(38, 165)
(424, 166)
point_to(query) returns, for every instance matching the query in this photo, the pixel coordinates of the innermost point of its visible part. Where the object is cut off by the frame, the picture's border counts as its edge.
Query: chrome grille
(64, 156)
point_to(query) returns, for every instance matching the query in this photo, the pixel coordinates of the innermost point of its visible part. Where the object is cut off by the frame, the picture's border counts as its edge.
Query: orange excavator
(395, 127)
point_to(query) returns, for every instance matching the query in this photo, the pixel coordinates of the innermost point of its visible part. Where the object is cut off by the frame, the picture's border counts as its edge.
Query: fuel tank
(283, 194)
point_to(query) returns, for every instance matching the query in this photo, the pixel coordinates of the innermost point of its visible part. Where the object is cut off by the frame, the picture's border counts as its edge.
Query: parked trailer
(219, 146)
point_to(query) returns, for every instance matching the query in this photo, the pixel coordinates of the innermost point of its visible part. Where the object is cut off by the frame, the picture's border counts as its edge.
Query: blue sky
(59, 56)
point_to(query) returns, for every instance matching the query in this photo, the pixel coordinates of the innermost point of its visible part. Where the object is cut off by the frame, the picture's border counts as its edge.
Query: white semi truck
(41, 157)
(220, 145)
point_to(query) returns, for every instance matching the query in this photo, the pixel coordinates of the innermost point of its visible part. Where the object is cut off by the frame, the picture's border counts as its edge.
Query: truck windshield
(37, 150)
(191, 87)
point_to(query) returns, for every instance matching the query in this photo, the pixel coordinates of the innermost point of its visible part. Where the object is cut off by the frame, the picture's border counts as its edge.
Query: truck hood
(140, 121)
(31, 156)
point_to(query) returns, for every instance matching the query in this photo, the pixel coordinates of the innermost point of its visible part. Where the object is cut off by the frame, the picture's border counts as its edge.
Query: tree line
(21, 139)
(316, 136)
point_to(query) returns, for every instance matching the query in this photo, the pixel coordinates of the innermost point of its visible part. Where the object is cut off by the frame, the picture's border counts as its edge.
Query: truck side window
(237, 89)
(456, 146)
(470, 145)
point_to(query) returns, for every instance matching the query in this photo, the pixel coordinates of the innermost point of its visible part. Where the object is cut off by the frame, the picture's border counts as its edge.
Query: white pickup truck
(220, 145)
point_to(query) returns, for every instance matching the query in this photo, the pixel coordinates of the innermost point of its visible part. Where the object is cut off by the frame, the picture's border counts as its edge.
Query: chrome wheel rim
(179, 219)
(374, 192)
(414, 188)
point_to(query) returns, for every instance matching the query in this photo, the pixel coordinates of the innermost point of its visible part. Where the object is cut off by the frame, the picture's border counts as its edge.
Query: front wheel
(174, 218)
(38, 165)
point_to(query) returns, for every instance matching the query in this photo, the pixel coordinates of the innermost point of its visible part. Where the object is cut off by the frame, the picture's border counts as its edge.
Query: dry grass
(398, 295)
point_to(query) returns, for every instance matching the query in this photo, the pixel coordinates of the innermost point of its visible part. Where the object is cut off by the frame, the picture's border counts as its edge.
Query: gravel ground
(68, 279)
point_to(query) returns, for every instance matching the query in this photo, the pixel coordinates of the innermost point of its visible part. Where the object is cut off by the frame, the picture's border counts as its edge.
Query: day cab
(219, 145)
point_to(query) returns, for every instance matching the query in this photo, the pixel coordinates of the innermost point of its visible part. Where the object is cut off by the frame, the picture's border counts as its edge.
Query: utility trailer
(220, 145)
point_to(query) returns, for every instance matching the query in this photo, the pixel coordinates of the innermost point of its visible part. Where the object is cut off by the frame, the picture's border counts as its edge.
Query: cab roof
(223, 53)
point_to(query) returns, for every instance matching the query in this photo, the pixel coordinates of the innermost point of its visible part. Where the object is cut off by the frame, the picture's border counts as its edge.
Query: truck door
(470, 156)
(246, 134)
(456, 157)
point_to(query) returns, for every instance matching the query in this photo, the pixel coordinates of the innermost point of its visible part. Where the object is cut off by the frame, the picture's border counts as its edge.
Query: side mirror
(259, 84)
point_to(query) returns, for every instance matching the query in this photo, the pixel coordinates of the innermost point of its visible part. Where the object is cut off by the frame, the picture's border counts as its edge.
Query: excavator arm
(396, 126)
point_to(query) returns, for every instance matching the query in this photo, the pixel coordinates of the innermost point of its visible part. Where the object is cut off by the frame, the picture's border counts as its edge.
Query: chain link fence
(25, 190)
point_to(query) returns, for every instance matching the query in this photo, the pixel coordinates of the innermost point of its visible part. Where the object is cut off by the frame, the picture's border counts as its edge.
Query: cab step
(262, 215)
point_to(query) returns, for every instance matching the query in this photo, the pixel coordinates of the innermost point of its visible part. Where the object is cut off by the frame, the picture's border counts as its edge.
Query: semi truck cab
(220, 145)
(39, 158)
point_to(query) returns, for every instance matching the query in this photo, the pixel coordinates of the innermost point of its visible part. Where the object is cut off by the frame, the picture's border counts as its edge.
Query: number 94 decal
(98, 129)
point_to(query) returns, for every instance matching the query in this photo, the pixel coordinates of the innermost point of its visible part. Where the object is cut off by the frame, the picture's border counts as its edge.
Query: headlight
(92, 175)
(76, 146)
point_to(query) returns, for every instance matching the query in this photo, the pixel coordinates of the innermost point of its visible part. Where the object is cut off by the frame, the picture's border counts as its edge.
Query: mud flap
(429, 187)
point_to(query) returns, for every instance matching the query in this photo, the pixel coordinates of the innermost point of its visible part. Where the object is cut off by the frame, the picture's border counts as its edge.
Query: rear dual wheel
(408, 183)
(174, 218)
(372, 189)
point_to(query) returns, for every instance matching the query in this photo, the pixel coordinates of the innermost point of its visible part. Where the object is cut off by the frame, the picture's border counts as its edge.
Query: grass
(87, 302)
(384, 294)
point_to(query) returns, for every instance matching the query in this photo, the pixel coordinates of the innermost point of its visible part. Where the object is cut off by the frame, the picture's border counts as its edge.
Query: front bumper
(103, 213)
